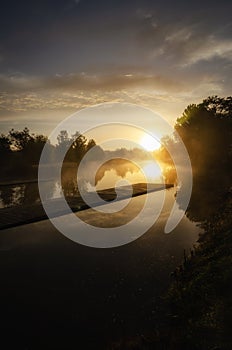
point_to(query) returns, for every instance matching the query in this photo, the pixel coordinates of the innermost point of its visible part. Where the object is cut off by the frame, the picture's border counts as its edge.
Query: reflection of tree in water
(12, 195)
(69, 174)
(31, 194)
(69, 180)
(23, 194)
(7, 195)
(70, 188)
(121, 167)
(28, 193)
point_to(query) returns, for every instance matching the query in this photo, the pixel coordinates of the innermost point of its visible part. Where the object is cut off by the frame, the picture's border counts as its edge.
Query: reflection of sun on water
(149, 143)
(111, 178)
(152, 172)
(148, 172)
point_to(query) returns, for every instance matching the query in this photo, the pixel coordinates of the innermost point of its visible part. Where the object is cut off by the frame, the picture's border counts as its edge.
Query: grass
(200, 298)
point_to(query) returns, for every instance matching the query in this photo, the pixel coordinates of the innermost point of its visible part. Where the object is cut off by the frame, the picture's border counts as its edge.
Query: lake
(73, 294)
(26, 193)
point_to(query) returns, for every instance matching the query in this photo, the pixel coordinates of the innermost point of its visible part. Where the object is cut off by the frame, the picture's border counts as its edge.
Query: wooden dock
(25, 214)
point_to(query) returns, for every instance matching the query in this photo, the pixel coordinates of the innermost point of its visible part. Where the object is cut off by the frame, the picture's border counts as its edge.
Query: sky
(57, 57)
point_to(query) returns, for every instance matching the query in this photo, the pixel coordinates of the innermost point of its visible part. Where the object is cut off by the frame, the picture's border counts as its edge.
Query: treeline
(20, 151)
(206, 130)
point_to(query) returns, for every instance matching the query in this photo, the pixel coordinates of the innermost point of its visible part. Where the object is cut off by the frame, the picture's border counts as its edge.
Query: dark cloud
(145, 51)
(184, 42)
(47, 38)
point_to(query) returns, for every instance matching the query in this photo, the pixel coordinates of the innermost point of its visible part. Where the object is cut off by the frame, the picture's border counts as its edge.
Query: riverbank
(200, 297)
(196, 311)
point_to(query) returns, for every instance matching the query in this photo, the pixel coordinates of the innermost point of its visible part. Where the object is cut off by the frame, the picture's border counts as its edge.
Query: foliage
(4, 144)
(199, 304)
(200, 298)
(206, 130)
(20, 151)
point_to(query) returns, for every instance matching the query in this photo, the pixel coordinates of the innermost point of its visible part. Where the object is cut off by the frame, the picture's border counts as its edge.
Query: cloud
(186, 42)
(87, 82)
(22, 93)
(190, 47)
(23, 96)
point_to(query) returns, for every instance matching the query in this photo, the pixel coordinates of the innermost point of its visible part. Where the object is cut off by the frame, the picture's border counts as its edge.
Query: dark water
(56, 294)
(28, 193)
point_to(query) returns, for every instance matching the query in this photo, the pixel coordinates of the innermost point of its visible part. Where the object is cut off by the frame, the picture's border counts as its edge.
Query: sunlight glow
(152, 172)
(149, 143)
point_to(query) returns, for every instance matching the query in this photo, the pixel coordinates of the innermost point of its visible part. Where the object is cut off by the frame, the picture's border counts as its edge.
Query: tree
(206, 130)
(5, 144)
(64, 143)
(20, 139)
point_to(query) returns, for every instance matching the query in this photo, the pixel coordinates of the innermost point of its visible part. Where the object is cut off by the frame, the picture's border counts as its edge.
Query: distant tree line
(20, 151)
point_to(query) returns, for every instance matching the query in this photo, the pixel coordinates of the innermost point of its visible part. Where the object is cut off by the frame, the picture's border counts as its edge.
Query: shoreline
(25, 214)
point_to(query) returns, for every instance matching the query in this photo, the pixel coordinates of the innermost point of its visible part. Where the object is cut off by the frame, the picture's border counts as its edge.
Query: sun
(149, 143)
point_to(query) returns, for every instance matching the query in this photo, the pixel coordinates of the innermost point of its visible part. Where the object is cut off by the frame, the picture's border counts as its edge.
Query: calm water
(72, 294)
(28, 193)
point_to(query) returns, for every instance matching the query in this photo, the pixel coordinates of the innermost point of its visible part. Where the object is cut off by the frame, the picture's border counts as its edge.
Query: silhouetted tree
(74, 147)
(20, 139)
(206, 130)
(5, 144)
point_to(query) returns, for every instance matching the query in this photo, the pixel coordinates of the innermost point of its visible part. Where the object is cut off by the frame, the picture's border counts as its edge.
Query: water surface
(93, 297)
